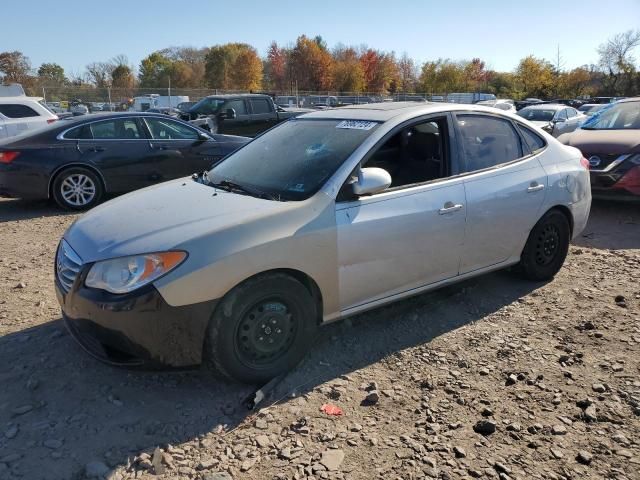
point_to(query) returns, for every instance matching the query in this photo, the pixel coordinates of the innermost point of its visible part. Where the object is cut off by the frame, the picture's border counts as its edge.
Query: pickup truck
(245, 114)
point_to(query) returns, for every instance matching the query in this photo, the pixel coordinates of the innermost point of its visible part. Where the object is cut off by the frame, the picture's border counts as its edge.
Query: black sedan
(76, 162)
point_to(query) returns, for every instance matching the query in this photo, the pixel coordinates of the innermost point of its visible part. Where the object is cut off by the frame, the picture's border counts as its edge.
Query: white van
(21, 113)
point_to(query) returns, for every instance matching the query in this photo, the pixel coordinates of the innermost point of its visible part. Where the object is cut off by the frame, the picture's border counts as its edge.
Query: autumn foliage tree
(311, 65)
(348, 75)
(233, 66)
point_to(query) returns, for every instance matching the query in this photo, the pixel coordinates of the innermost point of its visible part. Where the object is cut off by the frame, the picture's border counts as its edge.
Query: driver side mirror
(371, 180)
(228, 114)
(203, 136)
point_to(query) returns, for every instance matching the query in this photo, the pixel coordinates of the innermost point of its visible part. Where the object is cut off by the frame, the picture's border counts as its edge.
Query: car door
(504, 187)
(19, 118)
(241, 125)
(401, 239)
(574, 119)
(118, 147)
(561, 123)
(3, 128)
(177, 150)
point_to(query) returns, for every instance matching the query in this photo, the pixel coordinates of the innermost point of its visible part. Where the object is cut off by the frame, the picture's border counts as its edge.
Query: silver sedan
(324, 216)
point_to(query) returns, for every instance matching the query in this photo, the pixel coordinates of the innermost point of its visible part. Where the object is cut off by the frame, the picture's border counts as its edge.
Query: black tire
(88, 193)
(260, 329)
(546, 247)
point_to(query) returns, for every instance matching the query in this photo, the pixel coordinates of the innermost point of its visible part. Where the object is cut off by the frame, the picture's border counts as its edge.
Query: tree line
(310, 65)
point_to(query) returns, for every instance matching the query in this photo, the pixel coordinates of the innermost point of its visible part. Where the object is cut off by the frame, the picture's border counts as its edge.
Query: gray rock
(511, 380)
(263, 441)
(459, 452)
(598, 387)
(332, 459)
(261, 424)
(96, 469)
(12, 457)
(21, 410)
(372, 397)
(487, 412)
(12, 431)
(590, 413)
(559, 430)
(217, 476)
(557, 453)
(584, 457)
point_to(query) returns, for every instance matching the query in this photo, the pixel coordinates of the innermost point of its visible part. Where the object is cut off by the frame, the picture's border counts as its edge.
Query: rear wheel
(261, 329)
(77, 188)
(547, 247)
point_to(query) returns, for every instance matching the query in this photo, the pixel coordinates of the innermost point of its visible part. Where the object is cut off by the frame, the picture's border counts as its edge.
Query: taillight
(8, 157)
(585, 163)
(51, 120)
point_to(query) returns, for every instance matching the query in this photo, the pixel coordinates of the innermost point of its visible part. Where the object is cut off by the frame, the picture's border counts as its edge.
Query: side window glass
(237, 105)
(260, 105)
(416, 154)
(17, 111)
(162, 129)
(117, 129)
(83, 132)
(487, 141)
(563, 114)
(534, 141)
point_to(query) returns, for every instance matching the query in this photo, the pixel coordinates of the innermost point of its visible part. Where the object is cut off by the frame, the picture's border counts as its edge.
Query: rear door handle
(450, 207)
(535, 187)
(160, 147)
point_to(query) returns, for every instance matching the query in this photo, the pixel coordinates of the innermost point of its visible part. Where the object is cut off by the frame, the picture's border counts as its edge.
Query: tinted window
(537, 114)
(260, 105)
(562, 114)
(534, 141)
(162, 129)
(237, 105)
(83, 132)
(293, 160)
(487, 141)
(17, 111)
(120, 129)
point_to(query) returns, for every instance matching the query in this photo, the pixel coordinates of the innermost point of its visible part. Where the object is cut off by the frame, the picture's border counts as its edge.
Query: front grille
(600, 161)
(68, 265)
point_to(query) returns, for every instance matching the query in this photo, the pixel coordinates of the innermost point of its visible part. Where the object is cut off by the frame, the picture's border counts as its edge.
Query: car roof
(381, 112)
(107, 116)
(631, 99)
(238, 95)
(19, 99)
(547, 106)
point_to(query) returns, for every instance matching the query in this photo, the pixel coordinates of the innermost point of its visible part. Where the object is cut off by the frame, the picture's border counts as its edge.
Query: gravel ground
(492, 378)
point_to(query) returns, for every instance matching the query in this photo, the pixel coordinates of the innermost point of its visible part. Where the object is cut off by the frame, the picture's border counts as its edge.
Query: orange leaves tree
(233, 66)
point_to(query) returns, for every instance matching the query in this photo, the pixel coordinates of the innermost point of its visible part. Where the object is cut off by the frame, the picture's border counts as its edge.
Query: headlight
(125, 274)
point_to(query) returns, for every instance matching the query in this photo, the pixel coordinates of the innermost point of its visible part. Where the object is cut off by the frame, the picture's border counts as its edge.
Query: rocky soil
(494, 378)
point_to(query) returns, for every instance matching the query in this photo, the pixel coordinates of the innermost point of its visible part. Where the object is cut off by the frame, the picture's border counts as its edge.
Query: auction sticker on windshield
(356, 124)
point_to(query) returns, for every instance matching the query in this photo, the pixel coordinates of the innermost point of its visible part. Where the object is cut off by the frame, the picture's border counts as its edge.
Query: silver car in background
(324, 216)
(552, 118)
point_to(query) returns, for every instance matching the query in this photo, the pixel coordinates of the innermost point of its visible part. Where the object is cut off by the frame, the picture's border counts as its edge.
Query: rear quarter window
(534, 141)
(14, 110)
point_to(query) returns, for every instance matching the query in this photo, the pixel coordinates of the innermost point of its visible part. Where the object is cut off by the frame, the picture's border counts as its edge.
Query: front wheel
(546, 247)
(262, 328)
(77, 188)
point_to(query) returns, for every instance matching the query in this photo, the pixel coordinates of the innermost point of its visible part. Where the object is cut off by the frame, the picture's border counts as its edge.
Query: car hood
(163, 217)
(603, 141)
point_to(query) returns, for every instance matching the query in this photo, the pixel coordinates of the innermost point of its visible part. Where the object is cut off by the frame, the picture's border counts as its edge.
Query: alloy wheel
(78, 190)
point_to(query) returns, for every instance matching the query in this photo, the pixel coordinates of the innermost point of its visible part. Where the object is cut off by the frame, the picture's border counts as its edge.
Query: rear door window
(533, 140)
(83, 132)
(15, 110)
(487, 141)
(260, 105)
(116, 129)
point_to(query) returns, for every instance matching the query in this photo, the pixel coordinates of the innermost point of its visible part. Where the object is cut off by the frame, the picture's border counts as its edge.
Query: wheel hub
(265, 332)
(547, 245)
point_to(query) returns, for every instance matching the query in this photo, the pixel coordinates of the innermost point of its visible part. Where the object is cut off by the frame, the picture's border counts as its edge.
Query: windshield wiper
(232, 186)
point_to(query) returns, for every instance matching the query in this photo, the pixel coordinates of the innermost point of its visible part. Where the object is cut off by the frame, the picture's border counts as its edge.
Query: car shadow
(53, 390)
(12, 209)
(612, 226)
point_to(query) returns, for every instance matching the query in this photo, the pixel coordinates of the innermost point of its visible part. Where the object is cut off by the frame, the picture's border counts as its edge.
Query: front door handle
(535, 187)
(450, 207)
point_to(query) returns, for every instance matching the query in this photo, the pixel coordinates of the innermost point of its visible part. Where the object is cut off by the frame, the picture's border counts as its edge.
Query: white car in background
(554, 119)
(20, 114)
(505, 104)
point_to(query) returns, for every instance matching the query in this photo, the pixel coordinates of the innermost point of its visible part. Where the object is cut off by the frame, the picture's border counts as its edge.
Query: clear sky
(74, 33)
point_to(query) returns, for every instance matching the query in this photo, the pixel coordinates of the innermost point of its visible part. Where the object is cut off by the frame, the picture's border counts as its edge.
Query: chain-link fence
(118, 99)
